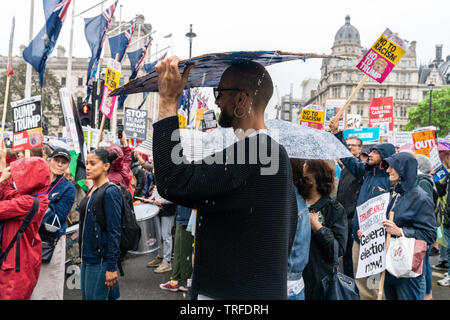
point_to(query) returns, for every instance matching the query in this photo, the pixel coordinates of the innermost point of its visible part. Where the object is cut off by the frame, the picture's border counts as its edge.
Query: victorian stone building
(57, 64)
(408, 83)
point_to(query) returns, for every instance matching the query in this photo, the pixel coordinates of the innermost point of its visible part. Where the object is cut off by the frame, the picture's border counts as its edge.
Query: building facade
(57, 64)
(407, 83)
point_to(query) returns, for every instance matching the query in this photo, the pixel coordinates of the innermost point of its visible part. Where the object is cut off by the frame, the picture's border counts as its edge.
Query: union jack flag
(144, 52)
(62, 7)
(109, 13)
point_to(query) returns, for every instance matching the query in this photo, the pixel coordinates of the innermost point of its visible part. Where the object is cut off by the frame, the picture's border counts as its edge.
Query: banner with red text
(381, 114)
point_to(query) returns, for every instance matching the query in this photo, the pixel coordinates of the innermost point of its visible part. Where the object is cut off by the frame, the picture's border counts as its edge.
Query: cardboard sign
(379, 60)
(372, 252)
(209, 119)
(365, 134)
(440, 173)
(136, 124)
(423, 140)
(70, 128)
(401, 138)
(381, 114)
(27, 117)
(353, 121)
(312, 118)
(332, 107)
(112, 78)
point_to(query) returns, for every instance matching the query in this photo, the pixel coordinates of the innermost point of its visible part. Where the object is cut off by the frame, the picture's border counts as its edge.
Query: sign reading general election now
(379, 60)
(27, 117)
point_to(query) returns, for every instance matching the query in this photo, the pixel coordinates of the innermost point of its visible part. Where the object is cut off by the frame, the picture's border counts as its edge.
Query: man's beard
(225, 121)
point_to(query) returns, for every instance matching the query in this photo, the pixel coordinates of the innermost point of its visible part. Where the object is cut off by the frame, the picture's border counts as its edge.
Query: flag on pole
(136, 58)
(95, 32)
(42, 46)
(119, 43)
(9, 69)
(149, 67)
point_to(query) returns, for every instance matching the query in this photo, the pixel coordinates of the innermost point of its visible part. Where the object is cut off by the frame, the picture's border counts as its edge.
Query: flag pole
(102, 124)
(30, 37)
(383, 275)
(9, 73)
(5, 104)
(69, 60)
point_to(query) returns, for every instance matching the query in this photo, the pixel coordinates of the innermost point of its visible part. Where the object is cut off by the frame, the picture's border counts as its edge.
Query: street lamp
(190, 35)
(430, 85)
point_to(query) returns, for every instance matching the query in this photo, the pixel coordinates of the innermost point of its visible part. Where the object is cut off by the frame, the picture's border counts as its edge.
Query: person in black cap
(53, 228)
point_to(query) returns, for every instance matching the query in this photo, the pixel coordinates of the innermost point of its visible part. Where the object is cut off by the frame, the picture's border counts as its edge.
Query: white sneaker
(163, 267)
(444, 282)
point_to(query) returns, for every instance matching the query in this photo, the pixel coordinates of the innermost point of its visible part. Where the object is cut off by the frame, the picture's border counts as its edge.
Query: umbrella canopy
(444, 144)
(208, 68)
(299, 141)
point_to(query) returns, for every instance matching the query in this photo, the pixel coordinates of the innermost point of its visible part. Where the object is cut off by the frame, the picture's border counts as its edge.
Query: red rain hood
(31, 175)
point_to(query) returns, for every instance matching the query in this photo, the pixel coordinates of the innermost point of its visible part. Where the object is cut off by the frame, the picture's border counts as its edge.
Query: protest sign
(381, 114)
(199, 117)
(69, 120)
(27, 117)
(440, 173)
(312, 118)
(136, 124)
(372, 253)
(365, 134)
(112, 78)
(182, 118)
(332, 107)
(423, 140)
(209, 120)
(353, 121)
(401, 138)
(385, 53)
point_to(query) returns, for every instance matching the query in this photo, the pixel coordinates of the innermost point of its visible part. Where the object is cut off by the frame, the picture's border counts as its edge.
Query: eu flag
(95, 31)
(42, 46)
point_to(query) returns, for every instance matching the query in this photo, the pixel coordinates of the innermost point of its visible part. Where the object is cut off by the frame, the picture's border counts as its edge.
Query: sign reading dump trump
(27, 117)
(379, 60)
(372, 252)
(136, 124)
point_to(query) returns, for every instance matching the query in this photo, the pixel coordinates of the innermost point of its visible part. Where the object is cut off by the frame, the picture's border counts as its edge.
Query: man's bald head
(252, 78)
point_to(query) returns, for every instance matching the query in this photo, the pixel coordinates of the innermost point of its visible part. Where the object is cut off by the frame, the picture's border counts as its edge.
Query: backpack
(438, 206)
(130, 230)
(26, 222)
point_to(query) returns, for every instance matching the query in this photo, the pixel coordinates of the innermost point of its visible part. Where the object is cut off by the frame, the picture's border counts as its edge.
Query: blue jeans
(404, 288)
(93, 283)
(300, 296)
(447, 249)
(428, 272)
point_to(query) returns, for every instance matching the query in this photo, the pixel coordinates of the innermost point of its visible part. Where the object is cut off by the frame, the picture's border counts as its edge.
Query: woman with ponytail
(100, 229)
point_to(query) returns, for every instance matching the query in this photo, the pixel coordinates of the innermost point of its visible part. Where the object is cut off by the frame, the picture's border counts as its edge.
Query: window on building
(63, 81)
(79, 101)
(371, 93)
(403, 112)
(80, 81)
(382, 93)
(360, 110)
(337, 76)
(336, 92)
(361, 94)
(403, 77)
(349, 76)
(348, 91)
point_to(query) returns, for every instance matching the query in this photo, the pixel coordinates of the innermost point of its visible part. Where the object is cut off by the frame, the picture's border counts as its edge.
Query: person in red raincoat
(31, 177)
(121, 167)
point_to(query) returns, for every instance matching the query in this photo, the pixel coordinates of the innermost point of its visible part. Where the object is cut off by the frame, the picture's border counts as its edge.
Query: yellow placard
(182, 121)
(312, 116)
(112, 78)
(389, 50)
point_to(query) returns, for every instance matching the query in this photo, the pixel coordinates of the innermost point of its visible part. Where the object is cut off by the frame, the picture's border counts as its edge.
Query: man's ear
(241, 99)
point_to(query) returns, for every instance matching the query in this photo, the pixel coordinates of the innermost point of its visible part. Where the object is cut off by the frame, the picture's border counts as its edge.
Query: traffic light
(87, 115)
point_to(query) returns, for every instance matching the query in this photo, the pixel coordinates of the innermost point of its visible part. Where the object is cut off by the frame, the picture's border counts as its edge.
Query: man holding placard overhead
(247, 211)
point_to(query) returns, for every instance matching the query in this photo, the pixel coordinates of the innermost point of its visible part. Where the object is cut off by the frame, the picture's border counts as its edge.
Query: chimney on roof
(438, 59)
(61, 52)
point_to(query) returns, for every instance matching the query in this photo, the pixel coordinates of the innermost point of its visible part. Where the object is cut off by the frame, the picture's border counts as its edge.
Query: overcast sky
(236, 25)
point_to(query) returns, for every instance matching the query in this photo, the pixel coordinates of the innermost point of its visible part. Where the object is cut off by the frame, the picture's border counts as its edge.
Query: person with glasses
(347, 195)
(246, 215)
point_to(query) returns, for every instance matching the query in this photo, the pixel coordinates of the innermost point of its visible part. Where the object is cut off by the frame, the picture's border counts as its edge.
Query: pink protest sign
(382, 57)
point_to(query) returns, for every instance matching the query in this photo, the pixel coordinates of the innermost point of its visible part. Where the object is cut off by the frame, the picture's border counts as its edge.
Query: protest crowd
(219, 222)
(326, 216)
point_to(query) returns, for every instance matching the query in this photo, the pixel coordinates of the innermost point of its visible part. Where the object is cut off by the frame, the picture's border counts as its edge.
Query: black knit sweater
(246, 220)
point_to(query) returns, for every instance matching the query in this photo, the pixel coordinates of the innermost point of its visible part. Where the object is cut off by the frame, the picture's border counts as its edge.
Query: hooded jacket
(375, 178)
(120, 168)
(414, 208)
(31, 177)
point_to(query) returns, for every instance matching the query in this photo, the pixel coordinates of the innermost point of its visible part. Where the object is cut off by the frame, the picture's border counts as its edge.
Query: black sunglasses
(218, 91)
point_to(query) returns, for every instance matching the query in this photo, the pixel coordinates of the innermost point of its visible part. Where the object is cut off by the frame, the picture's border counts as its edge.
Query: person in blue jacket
(99, 235)
(299, 256)
(413, 218)
(50, 285)
(375, 182)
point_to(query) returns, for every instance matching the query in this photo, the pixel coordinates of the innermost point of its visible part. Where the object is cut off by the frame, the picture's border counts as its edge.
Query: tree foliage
(49, 92)
(440, 112)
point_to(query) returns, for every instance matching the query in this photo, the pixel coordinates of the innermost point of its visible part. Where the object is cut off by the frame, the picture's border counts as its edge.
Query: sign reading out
(27, 118)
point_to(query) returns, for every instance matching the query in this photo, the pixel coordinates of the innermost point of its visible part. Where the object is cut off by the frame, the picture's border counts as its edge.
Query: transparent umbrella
(299, 141)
